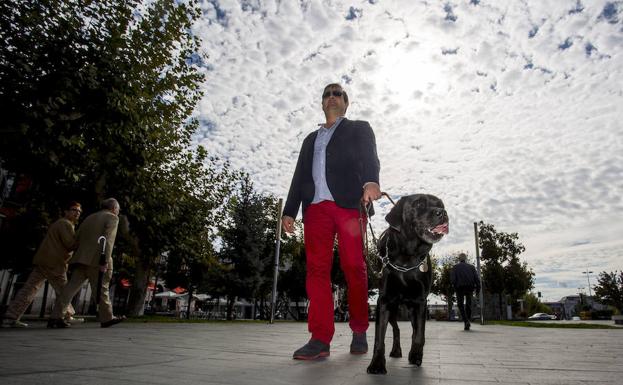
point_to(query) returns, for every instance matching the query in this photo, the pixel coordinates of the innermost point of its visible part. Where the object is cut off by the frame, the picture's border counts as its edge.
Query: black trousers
(464, 302)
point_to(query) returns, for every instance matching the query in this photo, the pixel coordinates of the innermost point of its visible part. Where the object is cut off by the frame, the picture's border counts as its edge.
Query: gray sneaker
(359, 344)
(312, 350)
(13, 323)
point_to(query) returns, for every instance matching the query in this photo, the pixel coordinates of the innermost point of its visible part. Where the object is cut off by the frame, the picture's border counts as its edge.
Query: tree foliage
(442, 283)
(502, 271)
(291, 283)
(247, 238)
(531, 305)
(609, 289)
(98, 98)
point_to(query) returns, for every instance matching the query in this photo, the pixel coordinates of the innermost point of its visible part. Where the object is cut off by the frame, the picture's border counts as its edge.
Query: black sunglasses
(336, 93)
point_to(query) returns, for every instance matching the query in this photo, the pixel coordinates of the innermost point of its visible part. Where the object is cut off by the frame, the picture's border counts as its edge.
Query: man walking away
(465, 280)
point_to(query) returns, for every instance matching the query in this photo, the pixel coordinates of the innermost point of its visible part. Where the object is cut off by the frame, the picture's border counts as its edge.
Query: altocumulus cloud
(509, 111)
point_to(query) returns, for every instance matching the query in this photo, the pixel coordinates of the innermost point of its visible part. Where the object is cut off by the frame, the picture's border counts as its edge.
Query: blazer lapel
(338, 132)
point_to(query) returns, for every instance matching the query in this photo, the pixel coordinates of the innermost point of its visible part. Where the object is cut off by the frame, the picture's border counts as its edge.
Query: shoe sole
(308, 358)
(109, 323)
(358, 352)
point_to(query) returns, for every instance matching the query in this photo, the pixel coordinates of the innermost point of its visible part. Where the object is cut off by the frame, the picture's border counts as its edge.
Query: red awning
(179, 290)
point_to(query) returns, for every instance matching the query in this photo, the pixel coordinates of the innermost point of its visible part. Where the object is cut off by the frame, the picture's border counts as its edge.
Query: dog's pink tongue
(441, 229)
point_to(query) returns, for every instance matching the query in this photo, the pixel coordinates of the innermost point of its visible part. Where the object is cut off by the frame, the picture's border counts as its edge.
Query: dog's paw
(396, 352)
(377, 366)
(376, 370)
(415, 358)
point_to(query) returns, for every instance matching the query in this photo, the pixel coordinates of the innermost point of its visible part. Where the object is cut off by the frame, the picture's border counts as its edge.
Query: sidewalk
(255, 353)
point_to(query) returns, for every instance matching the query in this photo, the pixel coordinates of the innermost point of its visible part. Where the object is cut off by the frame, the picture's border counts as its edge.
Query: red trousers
(323, 221)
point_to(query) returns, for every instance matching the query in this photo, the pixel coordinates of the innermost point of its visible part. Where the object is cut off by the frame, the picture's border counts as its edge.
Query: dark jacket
(351, 162)
(464, 277)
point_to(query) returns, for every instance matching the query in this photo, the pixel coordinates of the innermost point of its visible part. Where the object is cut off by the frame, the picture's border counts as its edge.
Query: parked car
(541, 317)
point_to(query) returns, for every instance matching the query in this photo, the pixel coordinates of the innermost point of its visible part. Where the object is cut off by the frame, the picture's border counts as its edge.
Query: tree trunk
(138, 291)
(230, 308)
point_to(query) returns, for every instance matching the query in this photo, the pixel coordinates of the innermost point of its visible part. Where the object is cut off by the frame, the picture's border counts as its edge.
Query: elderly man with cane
(87, 264)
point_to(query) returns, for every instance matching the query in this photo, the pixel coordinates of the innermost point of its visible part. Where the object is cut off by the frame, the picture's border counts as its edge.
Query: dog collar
(423, 265)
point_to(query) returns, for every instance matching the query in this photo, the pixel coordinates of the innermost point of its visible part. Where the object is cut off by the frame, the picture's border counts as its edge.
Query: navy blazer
(351, 162)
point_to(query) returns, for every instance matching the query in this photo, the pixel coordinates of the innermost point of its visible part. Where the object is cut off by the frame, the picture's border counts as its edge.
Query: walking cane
(100, 273)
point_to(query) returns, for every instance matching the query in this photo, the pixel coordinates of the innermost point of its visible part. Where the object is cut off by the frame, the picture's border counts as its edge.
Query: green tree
(96, 93)
(518, 280)
(263, 295)
(98, 99)
(531, 305)
(442, 283)
(502, 272)
(291, 282)
(245, 237)
(609, 289)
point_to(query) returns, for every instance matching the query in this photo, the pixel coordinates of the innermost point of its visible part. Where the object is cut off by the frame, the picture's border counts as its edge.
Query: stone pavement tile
(254, 353)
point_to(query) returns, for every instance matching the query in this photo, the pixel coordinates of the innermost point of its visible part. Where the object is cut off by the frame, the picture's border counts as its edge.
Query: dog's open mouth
(439, 229)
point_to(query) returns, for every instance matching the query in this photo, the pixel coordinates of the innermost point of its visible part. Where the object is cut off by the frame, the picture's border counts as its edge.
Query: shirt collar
(337, 121)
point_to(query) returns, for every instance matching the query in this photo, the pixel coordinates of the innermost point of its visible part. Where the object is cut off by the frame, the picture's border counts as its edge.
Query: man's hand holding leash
(287, 223)
(371, 192)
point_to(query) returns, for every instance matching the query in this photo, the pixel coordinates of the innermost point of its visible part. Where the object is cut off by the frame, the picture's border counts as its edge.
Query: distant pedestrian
(86, 260)
(465, 280)
(50, 262)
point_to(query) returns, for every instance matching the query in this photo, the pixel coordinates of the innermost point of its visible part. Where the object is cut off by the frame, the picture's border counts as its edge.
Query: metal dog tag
(424, 267)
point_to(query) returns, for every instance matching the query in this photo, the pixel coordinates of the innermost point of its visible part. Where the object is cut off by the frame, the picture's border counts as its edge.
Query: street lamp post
(273, 300)
(480, 295)
(588, 279)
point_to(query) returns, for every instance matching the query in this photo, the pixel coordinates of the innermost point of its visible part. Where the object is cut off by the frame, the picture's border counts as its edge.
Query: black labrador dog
(416, 223)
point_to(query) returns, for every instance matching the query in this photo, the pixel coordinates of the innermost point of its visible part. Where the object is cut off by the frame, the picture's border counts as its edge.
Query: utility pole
(481, 296)
(273, 301)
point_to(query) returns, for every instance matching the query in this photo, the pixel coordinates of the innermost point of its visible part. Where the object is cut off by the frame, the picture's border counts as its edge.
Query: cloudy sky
(510, 111)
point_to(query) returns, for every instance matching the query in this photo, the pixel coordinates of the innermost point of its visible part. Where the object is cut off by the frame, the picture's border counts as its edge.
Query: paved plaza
(256, 353)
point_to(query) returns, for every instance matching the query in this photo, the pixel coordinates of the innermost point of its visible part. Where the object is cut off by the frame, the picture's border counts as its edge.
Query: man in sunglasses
(337, 170)
(50, 262)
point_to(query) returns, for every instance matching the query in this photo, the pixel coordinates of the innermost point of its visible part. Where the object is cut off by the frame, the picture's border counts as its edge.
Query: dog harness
(423, 265)
(364, 210)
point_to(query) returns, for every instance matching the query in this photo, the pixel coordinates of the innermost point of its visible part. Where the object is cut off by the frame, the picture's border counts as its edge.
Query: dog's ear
(394, 217)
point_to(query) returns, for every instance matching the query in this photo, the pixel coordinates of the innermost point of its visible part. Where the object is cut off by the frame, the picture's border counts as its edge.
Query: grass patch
(552, 325)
